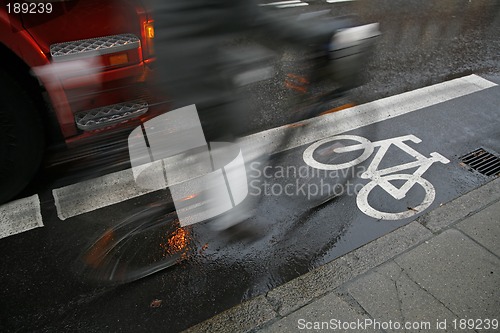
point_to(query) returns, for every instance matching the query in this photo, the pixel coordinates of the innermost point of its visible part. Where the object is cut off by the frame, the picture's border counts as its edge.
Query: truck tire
(21, 138)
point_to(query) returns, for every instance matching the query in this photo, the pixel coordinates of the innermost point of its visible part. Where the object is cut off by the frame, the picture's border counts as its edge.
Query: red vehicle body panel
(30, 36)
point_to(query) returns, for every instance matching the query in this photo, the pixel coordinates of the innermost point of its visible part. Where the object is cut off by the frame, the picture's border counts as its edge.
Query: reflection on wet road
(283, 240)
(423, 43)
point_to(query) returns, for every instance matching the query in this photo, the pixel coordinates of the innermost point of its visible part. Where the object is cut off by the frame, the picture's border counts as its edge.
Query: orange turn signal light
(149, 35)
(150, 30)
(118, 59)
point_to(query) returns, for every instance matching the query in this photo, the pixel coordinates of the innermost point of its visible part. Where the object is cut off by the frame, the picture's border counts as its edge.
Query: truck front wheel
(21, 138)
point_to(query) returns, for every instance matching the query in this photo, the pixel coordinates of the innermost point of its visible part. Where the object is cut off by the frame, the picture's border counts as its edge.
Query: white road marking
(363, 143)
(382, 177)
(293, 5)
(97, 193)
(365, 207)
(335, 1)
(101, 192)
(20, 215)
(366, 114)
(286, 4)
(280, 3)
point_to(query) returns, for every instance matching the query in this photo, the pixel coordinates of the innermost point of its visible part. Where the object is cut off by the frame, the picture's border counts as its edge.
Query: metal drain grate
(482, 161)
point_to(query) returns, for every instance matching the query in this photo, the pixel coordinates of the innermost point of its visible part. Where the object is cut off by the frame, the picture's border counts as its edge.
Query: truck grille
(92, 47)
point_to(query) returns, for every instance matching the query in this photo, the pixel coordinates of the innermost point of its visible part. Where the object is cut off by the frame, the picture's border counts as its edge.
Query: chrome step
(93, 47)
(110, 115)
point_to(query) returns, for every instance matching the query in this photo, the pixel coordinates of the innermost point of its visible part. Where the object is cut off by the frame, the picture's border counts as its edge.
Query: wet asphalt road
(422, 44)
(284, 240)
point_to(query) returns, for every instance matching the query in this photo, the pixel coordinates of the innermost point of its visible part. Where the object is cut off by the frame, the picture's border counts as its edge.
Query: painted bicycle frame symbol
(383, 177)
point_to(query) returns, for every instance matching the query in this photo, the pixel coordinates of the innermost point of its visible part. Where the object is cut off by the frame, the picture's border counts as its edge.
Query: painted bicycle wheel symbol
(382, 177)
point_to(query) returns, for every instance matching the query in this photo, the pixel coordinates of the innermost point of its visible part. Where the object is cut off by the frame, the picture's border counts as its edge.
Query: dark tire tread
(21, 138)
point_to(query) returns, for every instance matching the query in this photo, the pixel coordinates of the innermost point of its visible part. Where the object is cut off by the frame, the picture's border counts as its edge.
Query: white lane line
(335, 1)
(366, 114)
(90, 195)
(293, 5)
(285, 4)
(79, 198)
(20, 215)
(280, 3)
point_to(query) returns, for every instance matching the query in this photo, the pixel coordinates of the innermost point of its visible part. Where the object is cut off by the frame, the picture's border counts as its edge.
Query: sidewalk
(445, 266)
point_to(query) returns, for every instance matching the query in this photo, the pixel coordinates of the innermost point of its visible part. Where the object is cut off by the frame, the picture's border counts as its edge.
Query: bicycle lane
(444, 132)
(290, 240)
(294, 240)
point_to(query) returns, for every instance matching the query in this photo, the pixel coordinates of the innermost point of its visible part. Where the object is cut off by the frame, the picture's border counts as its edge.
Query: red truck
(99, 55)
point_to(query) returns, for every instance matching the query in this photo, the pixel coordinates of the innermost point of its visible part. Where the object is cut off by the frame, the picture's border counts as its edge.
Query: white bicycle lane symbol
(382, 177)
